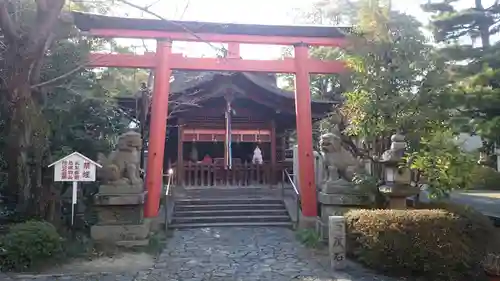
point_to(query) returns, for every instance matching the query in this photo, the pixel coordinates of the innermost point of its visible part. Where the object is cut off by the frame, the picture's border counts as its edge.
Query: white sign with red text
(75, 168)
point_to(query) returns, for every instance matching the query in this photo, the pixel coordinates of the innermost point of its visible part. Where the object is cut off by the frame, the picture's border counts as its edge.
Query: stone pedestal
(397, 194)
(120, 215)
(339, 200)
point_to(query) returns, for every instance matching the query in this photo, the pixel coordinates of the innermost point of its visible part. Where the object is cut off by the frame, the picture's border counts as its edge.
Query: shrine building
(219, 119)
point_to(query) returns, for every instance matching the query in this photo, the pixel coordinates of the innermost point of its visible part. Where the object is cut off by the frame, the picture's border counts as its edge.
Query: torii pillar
(306, 173)
(158, 128)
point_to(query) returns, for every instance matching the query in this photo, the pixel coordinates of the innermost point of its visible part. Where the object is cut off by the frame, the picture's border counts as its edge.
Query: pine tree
(474, 62)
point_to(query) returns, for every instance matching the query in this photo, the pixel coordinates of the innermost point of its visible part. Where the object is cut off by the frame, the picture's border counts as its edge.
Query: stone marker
(337, 242)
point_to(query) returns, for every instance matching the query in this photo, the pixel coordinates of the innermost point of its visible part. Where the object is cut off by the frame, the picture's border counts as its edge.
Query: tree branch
(7, 25)
(185, 9)
(36, 70)
(146, 10)
(47, 19)
(63, 76)
(54, 80)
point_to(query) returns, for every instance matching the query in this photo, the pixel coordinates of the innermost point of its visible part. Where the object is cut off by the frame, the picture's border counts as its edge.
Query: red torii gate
(164, 61)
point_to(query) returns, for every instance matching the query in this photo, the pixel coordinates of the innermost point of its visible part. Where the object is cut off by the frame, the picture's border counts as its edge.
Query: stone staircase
(229, 211)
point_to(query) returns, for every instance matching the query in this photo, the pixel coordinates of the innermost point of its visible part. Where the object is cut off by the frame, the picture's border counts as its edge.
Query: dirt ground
(121, 263)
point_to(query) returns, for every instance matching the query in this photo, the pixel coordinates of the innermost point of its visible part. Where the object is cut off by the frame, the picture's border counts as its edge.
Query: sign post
(74, 168)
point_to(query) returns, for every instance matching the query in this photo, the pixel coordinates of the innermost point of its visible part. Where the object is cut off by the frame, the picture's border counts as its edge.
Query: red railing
(246, 174)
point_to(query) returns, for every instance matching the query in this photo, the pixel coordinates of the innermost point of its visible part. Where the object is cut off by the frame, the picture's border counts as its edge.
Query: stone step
(232, 224)
(231, 212)
(230, 219)
(277, 206)
(226, 201)
(226, 191)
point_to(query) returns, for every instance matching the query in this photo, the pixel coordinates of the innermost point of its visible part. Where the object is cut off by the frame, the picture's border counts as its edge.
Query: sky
(271, 12)
(233, 11)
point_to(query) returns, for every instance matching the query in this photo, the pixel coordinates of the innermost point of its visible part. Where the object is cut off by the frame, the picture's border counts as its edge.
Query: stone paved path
(246, 254)
(234, 254)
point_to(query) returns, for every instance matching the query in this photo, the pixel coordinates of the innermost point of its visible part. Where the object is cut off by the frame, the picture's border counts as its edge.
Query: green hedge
(476, 225)
(29, 244)
(485, 178)
(434, 244)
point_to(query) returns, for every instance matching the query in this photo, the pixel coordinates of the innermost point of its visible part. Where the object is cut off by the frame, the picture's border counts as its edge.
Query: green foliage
(434, 244)
(369, 184)
(482, 227)
(395, 78)
(485, 178)
(442, 164)
(29, 244)
(82, 114)
(309, 237)
(83, 123)
(397, 83)
(324, 87)
(70, 107)
(476, 22)
(472, 59)
(479, 97)
(122, 81)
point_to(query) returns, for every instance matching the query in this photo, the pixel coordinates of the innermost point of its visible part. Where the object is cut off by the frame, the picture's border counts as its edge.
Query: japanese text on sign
(86, 170)
(75, 167)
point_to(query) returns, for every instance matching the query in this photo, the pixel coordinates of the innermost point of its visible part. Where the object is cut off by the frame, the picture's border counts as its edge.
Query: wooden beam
(178, 62)
(221, 131)
(122, 60)
(217, 38)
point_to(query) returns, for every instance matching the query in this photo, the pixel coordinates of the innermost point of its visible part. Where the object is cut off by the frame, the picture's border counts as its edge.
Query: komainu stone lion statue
(338, 162)
(121, 167)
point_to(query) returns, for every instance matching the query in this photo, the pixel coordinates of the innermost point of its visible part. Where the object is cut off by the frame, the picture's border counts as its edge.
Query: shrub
(309, 237)
(434, 244)
(485, 178)
(29, 244)
(477, 225)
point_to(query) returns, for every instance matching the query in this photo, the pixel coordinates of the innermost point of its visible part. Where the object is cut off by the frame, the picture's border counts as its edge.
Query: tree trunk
(26, 131)
(18, 143)
(26, 144)
(484, 28)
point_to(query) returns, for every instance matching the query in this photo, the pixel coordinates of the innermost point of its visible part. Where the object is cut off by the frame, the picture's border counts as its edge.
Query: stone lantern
(397, 179)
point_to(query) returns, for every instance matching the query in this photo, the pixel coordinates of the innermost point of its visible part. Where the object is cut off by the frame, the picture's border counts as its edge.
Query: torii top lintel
(118, 27)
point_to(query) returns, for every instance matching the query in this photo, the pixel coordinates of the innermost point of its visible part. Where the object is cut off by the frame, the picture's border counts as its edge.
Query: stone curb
(134, 276)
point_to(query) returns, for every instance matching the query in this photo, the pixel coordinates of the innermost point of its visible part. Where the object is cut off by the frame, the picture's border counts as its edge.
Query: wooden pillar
(283, 146)
(180, 154)
(228, 140)
(233, 50)
(158, 128)
(307, 183)
(273, 152)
